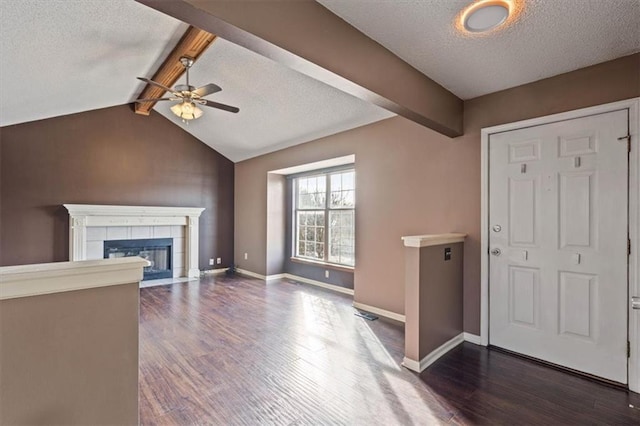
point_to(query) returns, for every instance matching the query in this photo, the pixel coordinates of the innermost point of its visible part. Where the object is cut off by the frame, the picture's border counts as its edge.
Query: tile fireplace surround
(128, 222)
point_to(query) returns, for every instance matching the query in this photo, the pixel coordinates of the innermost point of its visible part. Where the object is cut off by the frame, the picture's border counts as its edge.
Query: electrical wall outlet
(246, 256)
(326, 273)
(219, 260)
(210, 261)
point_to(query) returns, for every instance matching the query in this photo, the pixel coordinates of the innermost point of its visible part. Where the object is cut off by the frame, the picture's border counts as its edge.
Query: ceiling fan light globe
(186, 111)
(187, 108)
(177, 109)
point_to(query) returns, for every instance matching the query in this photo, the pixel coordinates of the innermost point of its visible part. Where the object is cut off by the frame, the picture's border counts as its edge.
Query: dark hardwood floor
(237, 351)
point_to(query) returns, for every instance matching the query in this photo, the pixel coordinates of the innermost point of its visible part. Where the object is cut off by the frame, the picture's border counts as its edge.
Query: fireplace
(90, 225)
(158, 251)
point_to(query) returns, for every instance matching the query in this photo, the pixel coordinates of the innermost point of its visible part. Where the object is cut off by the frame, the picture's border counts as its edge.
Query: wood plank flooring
(237, 351)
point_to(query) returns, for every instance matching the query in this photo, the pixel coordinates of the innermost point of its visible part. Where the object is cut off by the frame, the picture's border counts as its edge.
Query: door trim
(633, 106)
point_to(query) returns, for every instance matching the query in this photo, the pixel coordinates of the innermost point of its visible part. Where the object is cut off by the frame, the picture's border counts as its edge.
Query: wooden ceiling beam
(192, 44)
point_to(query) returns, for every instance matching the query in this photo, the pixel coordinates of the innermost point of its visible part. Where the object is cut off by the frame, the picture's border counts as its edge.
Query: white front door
(558, 197)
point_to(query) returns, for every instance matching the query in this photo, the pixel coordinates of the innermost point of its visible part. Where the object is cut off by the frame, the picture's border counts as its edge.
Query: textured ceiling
(60, 57)
(279, 107)
(549, 37)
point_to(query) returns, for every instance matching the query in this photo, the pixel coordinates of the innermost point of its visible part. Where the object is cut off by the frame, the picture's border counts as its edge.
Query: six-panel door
(558, 237)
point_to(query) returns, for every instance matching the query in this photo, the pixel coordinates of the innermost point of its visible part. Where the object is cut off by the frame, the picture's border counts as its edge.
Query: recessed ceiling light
(485, 15)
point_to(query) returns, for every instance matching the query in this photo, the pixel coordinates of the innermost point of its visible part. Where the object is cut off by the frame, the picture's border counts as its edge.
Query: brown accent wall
(70, 358)
(432, 299)
(412, 180)
(106, 156)
(440, 295)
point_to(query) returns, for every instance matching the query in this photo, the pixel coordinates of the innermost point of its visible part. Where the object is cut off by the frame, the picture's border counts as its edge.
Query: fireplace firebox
(158, 251)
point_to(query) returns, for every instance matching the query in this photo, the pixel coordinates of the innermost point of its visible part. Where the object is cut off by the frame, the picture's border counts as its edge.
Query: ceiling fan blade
(155, 99)
(219, 106)
(207, 89)
(149, 81)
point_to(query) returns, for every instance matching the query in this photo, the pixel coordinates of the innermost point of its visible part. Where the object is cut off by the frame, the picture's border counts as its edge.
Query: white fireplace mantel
(82, 216)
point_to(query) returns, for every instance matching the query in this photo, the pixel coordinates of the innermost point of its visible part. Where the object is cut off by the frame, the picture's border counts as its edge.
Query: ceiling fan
(188, 96)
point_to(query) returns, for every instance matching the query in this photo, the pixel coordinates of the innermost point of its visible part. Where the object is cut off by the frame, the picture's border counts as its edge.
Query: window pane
(336, 182)
(312, 192)
(342, 190)
(321, 184)
(310, 234)
(302, 186)
(348, 180)
(341, 232)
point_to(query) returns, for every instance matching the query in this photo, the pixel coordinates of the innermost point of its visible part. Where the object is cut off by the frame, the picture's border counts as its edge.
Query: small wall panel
(577, 209)
(523, 295)
(523, 194)
(582, 145)
(577, 304)
(524, 151)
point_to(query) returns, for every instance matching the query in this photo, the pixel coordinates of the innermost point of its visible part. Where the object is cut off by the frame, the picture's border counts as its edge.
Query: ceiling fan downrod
(187, 63)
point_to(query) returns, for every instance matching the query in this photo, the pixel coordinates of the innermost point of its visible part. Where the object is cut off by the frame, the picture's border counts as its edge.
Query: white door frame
(633, 105)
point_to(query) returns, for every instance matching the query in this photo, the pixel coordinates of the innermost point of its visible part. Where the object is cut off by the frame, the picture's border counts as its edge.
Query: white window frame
(327, 209)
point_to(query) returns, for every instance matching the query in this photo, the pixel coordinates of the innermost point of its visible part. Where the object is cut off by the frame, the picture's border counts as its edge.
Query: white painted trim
(634, 235)
(472, 338)
(433, 356)
(379, 311)
(82, 216)
(484, 239)
(47, 278)
(274, 277)
(633, 105)
(215, 271)
(165, 281)
(323, 164)
(411, 365)
(332, 287)
(250, 274)
(296, 278)
(137, 211)
(433, 239)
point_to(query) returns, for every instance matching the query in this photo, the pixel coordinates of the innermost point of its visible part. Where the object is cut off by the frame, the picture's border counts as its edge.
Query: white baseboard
(165, 281)
(379, 311)
(419, 366)
(296, 278)
(332, 287)
(215, 271)
(275, 277)
(472, 338)
(250, 274)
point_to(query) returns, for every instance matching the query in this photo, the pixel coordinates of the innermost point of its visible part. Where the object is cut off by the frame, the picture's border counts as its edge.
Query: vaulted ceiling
(61, 57)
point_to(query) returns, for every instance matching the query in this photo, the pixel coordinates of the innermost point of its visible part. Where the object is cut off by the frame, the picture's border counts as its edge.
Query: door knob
(497, 228)
(635, 302)
(498, 252)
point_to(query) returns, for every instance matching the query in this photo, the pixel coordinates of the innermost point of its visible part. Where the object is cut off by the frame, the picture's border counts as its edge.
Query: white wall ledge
(98, 210)
(46, 278)
(433, 239)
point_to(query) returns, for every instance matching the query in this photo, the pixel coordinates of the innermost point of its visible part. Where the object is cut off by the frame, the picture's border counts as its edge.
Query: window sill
(326, 265)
